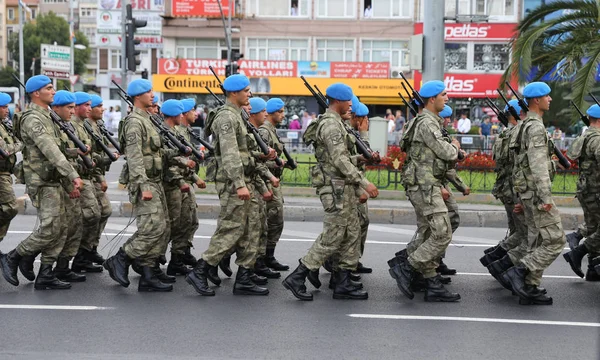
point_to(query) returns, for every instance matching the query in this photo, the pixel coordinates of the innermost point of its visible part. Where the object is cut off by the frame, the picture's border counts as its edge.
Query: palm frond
(585, 79)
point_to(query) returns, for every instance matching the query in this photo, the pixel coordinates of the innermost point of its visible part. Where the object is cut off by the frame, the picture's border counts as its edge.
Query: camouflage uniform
(423, 177)
(534, 170)
(8, 201)
(235, 170)
(44, 165)
(586, 149)
(338, 182)
(144, 149)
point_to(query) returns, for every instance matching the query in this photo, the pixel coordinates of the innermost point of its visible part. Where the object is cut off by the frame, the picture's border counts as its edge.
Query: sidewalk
(301, 204)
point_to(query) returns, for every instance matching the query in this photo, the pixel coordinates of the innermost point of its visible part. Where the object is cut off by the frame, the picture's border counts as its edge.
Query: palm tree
(563, 35)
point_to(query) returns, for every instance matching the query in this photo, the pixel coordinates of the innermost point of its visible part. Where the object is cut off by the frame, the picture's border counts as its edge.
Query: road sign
(73, 79)
(56, 74)
(56, 59)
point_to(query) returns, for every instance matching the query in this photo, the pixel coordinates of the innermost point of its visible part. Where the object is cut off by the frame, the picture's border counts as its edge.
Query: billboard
(108, 20)
(199, 8)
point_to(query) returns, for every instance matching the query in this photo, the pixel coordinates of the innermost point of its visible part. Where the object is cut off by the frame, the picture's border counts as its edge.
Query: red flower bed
(477, 161)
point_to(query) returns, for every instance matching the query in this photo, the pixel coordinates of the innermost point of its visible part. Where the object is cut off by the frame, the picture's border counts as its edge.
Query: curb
(378, 215)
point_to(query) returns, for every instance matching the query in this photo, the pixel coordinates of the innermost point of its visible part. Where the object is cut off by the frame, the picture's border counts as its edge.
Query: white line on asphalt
(475, 319)
(545, 276)
(53, 307)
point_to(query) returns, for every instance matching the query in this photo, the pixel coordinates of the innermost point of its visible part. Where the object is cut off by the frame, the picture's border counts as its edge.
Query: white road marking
(545, 276)
(476, 319)
(53, 307)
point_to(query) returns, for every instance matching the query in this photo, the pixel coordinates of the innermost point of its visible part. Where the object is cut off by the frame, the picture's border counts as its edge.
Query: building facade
(12, 26)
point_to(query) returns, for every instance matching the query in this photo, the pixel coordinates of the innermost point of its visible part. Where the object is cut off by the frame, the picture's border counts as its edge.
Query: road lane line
(476, 319)
(545, 276)
(53, 307)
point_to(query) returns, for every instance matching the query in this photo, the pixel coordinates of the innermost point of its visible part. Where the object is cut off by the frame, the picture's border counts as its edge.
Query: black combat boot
(355, 276)
(162, 259)
(333, 282)
(47, 281)
(225, 266)
(261, 269)
(490, 249)
(244, 285)
(9, 264)
(515, 276)
(436, 292)
(403, 273)
(574, 258)
(213, 275)
(313, 278)
(595, 263)
(535, 296)
(591, 274)
(176, 266)
(418, 284)
(63, 273)
(345, 288)
(26, 267)
(271, 262)
(160, 275)
(150, 282)
(294, 282)
(443, 269)
(573, 239)
(257, 279)
(328, 265)
(81, 263)
(361, 269)
(498, 267)
(398, 257)
(197, 278)
(95, 257)
(118, 267)
(496, 254)
(402, 253)
(136, 266)
(188, 258)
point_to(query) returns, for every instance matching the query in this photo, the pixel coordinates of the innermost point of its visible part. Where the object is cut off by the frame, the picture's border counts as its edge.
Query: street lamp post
(21, 54)
(72, 35)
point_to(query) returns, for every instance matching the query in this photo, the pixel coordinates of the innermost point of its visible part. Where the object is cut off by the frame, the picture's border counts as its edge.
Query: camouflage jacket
(533, 168)
(98, 155)
(269, 134)
(12, 145)
(86, 139)
(452, 175)
(176, 172)
(44, 163)
(503, 188)
(586, 149)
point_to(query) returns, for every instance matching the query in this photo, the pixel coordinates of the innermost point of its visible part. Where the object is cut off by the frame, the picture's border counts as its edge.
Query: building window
(387, 9)
(114, 59)
(11, 14)
(277, 49)
(33, 13)
(204, 48)
(278, 8)
(90, 33)
(455, 56)
(335, 50)
(88, 12)
(393, 51)
(476, 57)
(336, 8)
(496, 10)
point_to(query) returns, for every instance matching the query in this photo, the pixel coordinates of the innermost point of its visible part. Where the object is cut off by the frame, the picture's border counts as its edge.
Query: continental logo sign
(276, 85)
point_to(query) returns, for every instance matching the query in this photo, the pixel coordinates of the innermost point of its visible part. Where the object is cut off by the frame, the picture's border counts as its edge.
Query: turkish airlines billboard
(475, 32)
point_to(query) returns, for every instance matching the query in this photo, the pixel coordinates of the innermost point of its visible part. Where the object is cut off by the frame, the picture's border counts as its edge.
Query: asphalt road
(99, 319)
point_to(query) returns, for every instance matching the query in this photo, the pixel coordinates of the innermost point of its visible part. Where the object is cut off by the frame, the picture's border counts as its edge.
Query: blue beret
(432, 88)
(257, 105)
(82, 98)
(138, 87)
(355, 103)
(172, 107)
(447, 112)
(594, 111)
(361, 110)
(237, 82)
(5, 99)
(340, 92)
(274, 104)
(514, 103)
(36, 82)
(63, 97)
(96, 101)
(536, 89)
(188, 104)
(155, 100)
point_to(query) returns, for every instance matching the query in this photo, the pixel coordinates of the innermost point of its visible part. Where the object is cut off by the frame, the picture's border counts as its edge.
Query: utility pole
(124, 4)
(72, 35)
(21, 55)
(433, 38)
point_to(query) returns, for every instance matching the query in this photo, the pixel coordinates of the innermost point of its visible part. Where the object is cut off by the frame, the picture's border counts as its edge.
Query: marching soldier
(339, 184)
(424, 176)
(234, 183)
(532, 182)
(11, 146)
(586, 149)
(44, 165)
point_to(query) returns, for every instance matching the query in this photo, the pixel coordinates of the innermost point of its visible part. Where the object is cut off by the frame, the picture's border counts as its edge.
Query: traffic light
(231, 69)
(130, 41)
(145, 74)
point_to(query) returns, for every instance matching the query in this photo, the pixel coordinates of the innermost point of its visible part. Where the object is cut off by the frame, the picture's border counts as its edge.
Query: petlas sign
(474, 32)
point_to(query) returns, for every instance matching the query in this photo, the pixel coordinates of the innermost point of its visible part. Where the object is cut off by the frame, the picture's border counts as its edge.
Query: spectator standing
(464, 124)
(305, 120)
(486, 127)
(391, 128)
(368, 12)
(557, 135)
(295, 127)
(115, 119)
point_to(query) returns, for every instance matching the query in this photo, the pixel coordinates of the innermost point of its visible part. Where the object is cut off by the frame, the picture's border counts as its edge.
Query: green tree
(562, 34)
(47, 29)
(6, 79)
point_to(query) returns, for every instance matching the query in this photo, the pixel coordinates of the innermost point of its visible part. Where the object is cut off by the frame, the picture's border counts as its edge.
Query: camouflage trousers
(234, 227)
(89, 218)
(590, 203)
(48, 237)
(183, 217)
(72, 235)
(153, 226)
(341, 230)
(363, 218)
(545, 237)
(432, 213)
(8, 203)
(274, 217)
(105, 213)
(262, 210)
(515, 243)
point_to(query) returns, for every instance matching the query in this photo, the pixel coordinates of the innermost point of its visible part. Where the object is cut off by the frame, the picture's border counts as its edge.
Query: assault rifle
(99, 140)
(584, 117)
(499, 113)
(108, 135)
